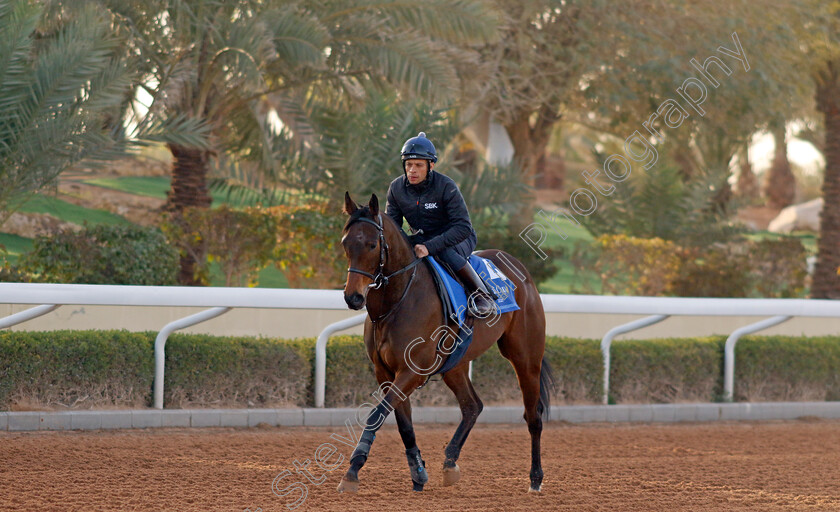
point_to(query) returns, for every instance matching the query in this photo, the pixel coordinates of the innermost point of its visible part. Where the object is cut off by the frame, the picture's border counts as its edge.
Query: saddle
(454, 300)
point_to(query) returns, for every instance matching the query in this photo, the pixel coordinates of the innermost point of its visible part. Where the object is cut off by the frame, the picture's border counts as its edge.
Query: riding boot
(482, 304)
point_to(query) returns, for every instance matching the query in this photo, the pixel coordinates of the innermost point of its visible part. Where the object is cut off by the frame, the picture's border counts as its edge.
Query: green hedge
(78, 369)
(116, 368)
(787, 368)
(203, 370)
(75, 368)
(667, 370)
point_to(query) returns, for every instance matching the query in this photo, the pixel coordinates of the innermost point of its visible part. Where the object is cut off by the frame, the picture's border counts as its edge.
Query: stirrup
(473, 307)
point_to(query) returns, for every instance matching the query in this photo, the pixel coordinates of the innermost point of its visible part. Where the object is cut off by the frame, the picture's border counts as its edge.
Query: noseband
(380, 280)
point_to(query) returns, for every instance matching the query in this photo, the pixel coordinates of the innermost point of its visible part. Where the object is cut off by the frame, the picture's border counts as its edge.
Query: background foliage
(81, 369)
(241, 241)
(656, 267)
(117, 254)
(308, 245)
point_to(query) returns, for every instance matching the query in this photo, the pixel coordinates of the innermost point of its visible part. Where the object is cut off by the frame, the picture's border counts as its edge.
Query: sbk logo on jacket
(429, 206)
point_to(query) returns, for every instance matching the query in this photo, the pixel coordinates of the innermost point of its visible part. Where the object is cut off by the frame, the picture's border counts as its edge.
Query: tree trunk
(529, 143)
(780, 184)
(189, 189)
(551, 171)
(747, 184)
(682, 157)
(189, 179)
(826, 282)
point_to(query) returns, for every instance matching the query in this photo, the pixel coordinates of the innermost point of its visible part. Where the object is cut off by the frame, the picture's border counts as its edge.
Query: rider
(438, 216)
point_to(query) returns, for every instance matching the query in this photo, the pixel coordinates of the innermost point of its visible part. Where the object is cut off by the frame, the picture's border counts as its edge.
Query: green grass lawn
(17, 245)
(269, 277)
(70, 212)
(158, 186)
(565, 280)
(13, 246)
(152, 186)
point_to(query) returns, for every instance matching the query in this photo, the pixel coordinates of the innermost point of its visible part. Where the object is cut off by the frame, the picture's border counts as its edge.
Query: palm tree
(64, 80)
(826, 282)
(747, 184)
(779, 184)
(60, 83)
(242, 66)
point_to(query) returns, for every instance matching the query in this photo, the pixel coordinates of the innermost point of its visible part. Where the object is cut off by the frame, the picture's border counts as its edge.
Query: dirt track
(685, 467)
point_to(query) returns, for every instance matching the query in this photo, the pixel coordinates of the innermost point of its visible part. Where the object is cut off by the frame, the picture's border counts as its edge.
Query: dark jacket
(435, 207)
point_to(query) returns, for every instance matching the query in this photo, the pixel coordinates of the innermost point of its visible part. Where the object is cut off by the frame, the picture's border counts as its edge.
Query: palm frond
(299, 37)
(59, 90)
(17, 23)
(180, 130)
(242, 185)
(459, 21)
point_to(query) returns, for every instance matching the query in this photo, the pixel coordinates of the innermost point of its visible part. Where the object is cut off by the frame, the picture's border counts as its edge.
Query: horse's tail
(546, 388)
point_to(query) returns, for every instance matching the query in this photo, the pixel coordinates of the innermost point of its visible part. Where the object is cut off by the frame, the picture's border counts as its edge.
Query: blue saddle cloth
(497, 282)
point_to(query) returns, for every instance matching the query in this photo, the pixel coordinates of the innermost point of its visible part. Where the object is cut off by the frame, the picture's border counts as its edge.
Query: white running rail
(50, 296)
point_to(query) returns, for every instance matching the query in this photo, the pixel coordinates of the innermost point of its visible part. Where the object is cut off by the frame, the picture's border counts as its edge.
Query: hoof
(417, 487)
(535, 489)
(348, 486)
(451, 475)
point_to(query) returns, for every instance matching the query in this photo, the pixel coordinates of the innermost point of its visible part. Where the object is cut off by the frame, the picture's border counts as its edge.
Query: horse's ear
(374, 205)
(349, 205)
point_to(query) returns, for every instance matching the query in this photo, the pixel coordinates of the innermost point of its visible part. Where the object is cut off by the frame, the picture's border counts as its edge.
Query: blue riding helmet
(419, 147)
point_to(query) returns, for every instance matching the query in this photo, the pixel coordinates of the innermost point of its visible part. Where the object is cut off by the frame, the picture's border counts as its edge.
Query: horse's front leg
(416, 464)
(403, 385)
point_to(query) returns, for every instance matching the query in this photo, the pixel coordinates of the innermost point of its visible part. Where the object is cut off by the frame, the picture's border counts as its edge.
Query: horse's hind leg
(458, 381)
(528, 364)
(416, 464)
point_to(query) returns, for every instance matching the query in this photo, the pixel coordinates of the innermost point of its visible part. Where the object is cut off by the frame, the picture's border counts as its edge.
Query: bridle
(380, 280)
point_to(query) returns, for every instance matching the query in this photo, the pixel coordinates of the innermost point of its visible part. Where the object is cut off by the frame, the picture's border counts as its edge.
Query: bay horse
(403, 308)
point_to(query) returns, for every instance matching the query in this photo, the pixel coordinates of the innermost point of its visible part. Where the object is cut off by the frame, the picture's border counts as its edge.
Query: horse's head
(363, 242)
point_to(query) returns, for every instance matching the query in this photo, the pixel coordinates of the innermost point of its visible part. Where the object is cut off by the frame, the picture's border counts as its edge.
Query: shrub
(651, 267)
(116, 368)
(717, 271)
(780, 267)
(308, 245)
(76, 368)
(120, 254)
(241, 241)
(745, 268)
(661, 202)
(666, 370)
(635, 266)
(204, 370)
(787, 368)
(350, 378)
(13, 274)
(578, 369)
